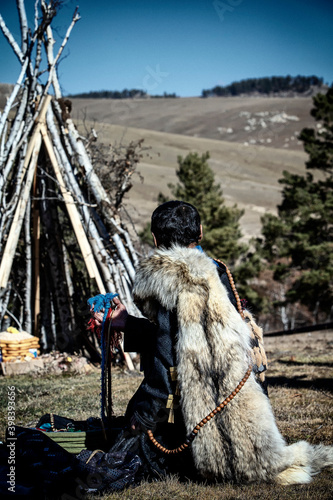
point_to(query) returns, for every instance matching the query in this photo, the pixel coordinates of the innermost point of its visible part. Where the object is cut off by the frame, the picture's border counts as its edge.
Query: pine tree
(220, 223)
(298, 242)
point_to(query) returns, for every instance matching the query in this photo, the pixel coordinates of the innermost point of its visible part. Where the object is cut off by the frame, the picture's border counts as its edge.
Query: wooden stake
(14, 233)
(15, 230)
(74, 215)
(36, 239)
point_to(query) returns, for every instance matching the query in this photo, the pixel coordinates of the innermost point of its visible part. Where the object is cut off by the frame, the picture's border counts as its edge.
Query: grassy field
(223, 118)
(300, 389)
(248, 175)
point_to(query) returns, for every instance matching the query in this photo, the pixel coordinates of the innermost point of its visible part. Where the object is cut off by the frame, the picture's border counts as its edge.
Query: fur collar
(170, 274)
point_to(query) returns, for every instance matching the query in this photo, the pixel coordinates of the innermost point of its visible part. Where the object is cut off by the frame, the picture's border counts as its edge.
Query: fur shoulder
(167, 273)
(176, 275)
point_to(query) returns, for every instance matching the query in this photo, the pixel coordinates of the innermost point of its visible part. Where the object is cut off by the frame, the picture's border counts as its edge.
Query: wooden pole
(78, 227)
(28, 272)
(74, 215)
(15, 230)
(14, 233)
(36, 240)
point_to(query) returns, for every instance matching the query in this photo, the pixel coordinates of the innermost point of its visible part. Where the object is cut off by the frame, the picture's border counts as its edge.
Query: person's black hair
(176, 222)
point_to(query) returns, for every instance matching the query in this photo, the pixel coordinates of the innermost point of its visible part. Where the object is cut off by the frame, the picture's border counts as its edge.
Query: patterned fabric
(108, 471)
(43, 468)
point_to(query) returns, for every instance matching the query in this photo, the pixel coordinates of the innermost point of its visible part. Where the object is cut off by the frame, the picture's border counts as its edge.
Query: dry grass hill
(250, 141)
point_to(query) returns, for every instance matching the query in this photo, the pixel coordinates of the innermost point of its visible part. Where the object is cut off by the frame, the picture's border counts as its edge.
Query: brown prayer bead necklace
(234, 289)
(204, 421)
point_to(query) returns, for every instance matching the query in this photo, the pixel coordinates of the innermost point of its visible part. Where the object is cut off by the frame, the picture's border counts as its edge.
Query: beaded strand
(233, 286)
(204, 421)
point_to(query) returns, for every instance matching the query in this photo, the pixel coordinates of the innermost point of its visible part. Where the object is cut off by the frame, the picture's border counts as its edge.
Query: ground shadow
(325, 384)
(306, 363)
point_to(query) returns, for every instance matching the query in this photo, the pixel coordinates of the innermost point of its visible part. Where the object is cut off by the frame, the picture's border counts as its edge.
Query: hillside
(250, 140)
(5, 91)
(273, 122)
(248, 174)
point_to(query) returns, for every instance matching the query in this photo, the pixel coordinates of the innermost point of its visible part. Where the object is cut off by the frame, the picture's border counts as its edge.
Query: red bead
(208, 417)
(205, 420)
(201, 424)
(215, 411)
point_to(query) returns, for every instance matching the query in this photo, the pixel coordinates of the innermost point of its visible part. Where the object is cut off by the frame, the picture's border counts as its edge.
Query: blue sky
(182, 46)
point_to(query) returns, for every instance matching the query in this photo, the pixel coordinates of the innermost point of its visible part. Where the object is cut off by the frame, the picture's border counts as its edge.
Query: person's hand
(98, 316)
(119, 315)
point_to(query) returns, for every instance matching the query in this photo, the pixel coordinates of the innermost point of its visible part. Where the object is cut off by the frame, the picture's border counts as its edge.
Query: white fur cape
(241, 442)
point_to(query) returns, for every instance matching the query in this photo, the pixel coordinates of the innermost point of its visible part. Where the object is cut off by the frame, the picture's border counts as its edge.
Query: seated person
(163, 281)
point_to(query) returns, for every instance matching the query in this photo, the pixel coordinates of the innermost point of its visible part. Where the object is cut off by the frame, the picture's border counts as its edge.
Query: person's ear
(200, 237)
(155, 241)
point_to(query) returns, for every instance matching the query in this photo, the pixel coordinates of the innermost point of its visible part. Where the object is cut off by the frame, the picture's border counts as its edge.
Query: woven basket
(13, 349)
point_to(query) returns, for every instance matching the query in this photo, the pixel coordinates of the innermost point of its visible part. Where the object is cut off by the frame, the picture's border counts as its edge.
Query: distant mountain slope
(267, 121)
(5, 91)
(248, 174)
(273, 122)
(251, 141)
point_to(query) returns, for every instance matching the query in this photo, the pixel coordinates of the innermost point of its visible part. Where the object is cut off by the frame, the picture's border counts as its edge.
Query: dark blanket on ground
(43, 469)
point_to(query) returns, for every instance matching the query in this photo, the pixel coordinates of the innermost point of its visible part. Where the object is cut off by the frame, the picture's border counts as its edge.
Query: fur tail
(305, 461)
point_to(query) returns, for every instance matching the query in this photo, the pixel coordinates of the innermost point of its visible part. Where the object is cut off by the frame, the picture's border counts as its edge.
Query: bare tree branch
(24, 25)
(14, 45)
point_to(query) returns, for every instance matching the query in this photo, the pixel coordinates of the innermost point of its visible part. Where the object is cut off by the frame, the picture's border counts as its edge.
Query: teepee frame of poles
(49, 192)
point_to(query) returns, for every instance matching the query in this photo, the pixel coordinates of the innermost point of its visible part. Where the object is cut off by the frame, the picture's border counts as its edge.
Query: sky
(181, 46)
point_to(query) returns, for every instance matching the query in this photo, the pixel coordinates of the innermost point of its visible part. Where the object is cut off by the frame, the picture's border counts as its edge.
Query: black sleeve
(138, 333)
(157, 356)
